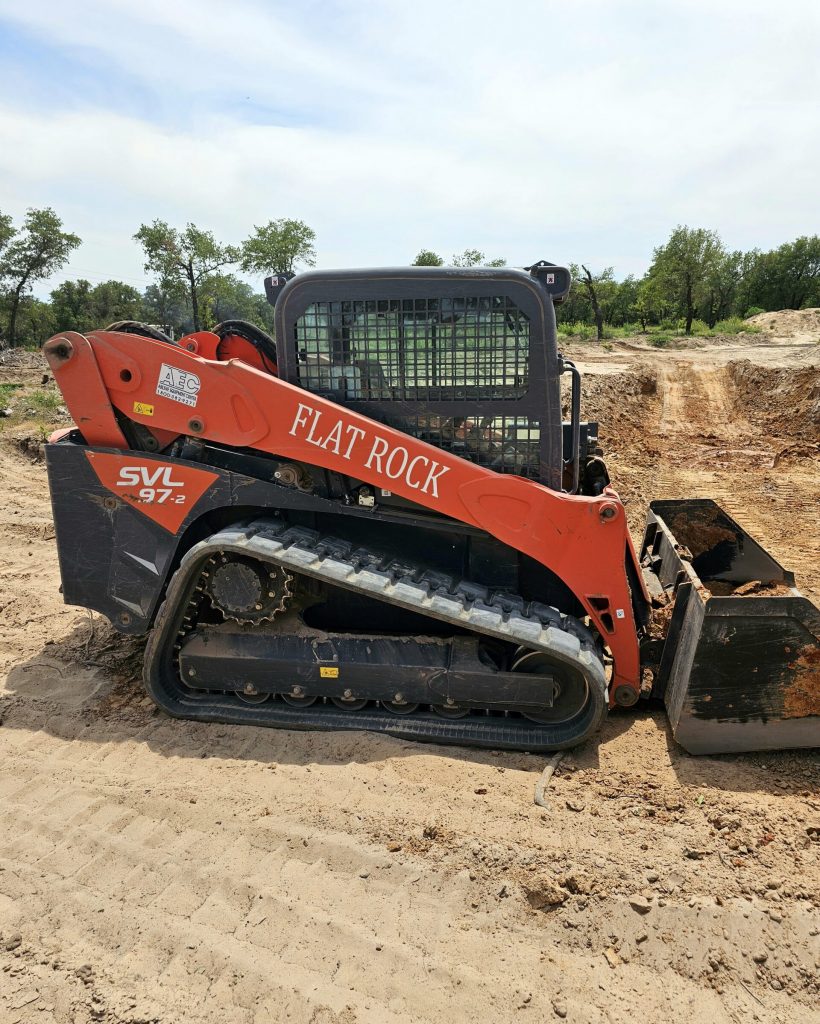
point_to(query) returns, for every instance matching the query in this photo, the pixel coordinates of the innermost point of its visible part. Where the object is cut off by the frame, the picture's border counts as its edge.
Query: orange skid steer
(380, 521)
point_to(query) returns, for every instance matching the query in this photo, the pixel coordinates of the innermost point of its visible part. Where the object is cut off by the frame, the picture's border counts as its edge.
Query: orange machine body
(177, 390)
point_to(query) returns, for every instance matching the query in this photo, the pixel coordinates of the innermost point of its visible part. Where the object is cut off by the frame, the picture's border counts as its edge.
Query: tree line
(692, 278)
(195, 286)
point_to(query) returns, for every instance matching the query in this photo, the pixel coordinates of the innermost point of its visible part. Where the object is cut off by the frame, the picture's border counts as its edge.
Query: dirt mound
(621, 402)
(625, 405)
(784, 401)
(786, 323)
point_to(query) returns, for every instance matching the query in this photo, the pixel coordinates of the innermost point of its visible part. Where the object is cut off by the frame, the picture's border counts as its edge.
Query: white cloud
(568, 131)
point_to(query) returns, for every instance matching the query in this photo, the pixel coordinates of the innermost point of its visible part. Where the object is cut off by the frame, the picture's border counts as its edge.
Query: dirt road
(153, 870)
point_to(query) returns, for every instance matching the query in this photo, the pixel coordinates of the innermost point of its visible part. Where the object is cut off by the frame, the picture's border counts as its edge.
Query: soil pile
(789, 323)
(622, 403)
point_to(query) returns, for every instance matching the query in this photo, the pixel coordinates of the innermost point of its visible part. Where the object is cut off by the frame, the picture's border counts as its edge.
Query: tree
(35, 321)
(7, 231)
(721, 286)
(427, 258)
(785, 278)
(77, 306)
(623, 306)
(476, 258)
(186, 257)
(278, 247)
(681, 268)
(115, 300)
(34, 253)
(72, 307)
(593, 286)
(594, 300)
(575, 308)
(225, 297)
(165, 304)
(650, 306)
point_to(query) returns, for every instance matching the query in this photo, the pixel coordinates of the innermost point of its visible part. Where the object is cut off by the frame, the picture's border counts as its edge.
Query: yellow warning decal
(143, 409)
(328, 672)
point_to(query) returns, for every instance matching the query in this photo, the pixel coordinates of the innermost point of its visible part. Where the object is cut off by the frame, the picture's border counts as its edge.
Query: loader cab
(465, 359)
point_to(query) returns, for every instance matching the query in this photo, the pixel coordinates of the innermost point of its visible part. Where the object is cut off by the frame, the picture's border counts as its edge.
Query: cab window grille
(506, 444)
(473, 348)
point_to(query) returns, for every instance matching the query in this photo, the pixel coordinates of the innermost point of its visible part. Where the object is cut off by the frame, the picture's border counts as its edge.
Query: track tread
(336, 562)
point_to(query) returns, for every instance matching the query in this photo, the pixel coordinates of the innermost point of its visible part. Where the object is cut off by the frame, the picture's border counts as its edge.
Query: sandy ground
(154, 870)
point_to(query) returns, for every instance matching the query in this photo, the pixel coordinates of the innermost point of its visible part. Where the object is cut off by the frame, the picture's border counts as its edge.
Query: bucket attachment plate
(740, 666)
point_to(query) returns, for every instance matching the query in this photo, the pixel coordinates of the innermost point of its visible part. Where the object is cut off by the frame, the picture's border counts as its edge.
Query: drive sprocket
(246, 591)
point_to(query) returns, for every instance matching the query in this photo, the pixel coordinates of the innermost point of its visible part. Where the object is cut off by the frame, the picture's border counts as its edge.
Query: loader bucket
(739, 669)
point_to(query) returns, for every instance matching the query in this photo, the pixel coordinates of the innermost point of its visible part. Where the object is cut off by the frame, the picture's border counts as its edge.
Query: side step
(740, 666)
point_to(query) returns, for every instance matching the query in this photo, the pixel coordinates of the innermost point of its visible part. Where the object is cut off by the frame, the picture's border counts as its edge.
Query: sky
(568, 130)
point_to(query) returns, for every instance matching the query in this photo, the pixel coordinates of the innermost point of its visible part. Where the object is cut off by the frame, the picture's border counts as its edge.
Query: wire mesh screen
(420, 349)
(506, 444)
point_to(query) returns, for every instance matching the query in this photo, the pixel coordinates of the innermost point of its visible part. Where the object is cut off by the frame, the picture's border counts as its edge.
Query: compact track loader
(380, 521)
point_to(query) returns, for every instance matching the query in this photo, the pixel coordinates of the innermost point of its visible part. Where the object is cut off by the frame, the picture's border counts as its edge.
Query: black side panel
(421, 670)
(116, 560)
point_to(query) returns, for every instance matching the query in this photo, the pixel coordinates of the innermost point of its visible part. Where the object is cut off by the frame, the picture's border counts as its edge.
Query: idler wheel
(298, 699)
(571, 689)
(252, 698)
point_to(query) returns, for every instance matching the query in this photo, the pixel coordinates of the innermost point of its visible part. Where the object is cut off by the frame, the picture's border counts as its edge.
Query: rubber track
(461, 603)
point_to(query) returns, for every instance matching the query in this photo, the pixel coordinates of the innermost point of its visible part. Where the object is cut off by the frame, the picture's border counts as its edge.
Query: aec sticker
(178, 385)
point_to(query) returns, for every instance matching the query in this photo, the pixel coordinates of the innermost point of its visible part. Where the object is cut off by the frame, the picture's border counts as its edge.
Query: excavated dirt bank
(155, 870)
(784, 401)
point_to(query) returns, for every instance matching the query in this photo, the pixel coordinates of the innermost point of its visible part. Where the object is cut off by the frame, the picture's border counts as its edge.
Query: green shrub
(753, 311)
(577, 329)
(734, 325)
(625, 331)
(7, 393)
(43, 402)
(661, 339)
